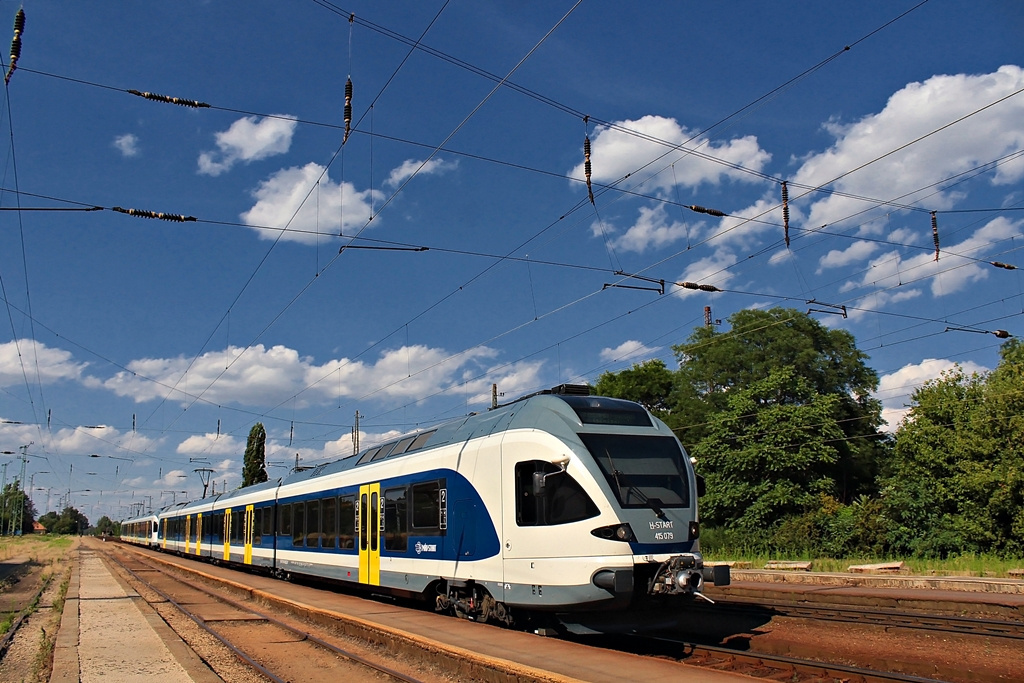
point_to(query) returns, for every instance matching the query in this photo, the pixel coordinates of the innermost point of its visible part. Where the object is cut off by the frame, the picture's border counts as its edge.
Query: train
(576, 507)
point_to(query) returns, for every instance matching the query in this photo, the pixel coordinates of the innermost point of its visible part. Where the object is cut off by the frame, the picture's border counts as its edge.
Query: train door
(163, 543)
(199, 533)
(188, 534)
(247, 531)
(227, 534)
(369, 521)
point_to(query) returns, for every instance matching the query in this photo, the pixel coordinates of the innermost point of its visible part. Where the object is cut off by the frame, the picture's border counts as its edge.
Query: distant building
(38, 528)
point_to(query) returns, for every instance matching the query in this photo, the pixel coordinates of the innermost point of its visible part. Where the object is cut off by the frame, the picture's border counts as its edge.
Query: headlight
(615, 532)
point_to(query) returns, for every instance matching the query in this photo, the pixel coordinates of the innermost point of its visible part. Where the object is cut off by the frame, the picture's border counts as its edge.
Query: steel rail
(974, 626)
(5, 642)
(810, 667)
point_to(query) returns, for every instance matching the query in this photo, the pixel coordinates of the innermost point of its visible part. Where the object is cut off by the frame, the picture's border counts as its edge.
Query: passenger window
(298, 524)
(237, 517)
(313, 524)
(426, 506)
(421, 440)
(329, 510)
(368, 455)
(396, 519)
(257, 526)
(546, 496)
(284, 520)
(268, 521)
(363, 516)
(347, 522)
(402, 445)
(384, 451)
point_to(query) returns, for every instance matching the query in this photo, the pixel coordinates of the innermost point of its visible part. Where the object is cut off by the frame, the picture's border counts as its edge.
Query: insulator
(1000, 264)
(586, 167)
(1002, 334)
(169, 100)
(935, 234)
(142, 213)
(19, 27)
(701, 209)
(348, 110)
(694, 285)
(785, 211)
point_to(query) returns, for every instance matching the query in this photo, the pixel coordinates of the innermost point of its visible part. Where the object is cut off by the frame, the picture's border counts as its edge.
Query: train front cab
(599, 510)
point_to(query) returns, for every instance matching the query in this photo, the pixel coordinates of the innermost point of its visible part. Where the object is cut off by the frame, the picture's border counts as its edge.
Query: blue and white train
(560, 503)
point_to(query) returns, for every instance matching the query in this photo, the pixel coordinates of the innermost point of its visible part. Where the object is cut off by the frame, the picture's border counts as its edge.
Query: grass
(968, 564)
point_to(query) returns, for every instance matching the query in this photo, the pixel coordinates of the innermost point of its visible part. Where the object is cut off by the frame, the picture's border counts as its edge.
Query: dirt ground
(26, 562)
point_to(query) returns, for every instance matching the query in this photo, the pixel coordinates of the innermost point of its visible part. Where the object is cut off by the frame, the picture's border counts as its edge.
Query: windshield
(643, 471)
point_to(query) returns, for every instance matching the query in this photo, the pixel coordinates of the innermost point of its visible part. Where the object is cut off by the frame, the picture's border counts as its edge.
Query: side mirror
(539, 484)
(701, 486)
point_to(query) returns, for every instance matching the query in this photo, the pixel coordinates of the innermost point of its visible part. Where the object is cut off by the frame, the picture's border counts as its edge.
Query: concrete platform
(108, 633)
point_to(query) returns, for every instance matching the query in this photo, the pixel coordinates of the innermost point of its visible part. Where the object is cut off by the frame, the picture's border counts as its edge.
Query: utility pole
(18, 516)
(3, 490)
(355, 435)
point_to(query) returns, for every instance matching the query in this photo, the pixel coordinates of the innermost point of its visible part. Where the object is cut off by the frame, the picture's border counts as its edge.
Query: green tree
(715, 364)
(254, 469)
(14, 502)
(107, 527)
(49, 521)
(955, 481)
(70, 521)
(993, 484)
(769, 455)
(649, 383)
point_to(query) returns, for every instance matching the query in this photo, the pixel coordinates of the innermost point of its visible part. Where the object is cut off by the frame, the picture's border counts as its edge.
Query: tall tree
(15, 506)
(955, 481)
(649, 383)
(770, 454)
(715, 364)
(254, 467)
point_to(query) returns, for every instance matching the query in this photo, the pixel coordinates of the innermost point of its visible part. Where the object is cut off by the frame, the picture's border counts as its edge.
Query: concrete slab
(108, 633)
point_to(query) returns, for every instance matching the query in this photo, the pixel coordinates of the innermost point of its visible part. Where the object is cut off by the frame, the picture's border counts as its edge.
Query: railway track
(735, 641)
(275, 648)
(762, 665)
(877, 616)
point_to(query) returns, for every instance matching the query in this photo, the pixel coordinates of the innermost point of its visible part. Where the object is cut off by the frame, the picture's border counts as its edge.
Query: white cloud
(616, 153)
(896, 388)
(127, 145)
(711, 270)
(291, 199)
(627, 350)
(651, 230)
(248, 139)
(948, 275)
(262, 375)
(858, 251)
(414, 166)
(515, 379)
(211, 444)
(39, 362)
(914, 111)
(102, 440)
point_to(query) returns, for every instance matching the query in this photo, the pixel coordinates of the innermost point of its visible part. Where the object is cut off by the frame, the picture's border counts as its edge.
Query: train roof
(566, 407)
(550, 410)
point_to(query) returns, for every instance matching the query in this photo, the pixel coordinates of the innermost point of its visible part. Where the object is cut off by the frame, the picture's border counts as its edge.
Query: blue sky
(133, 338)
